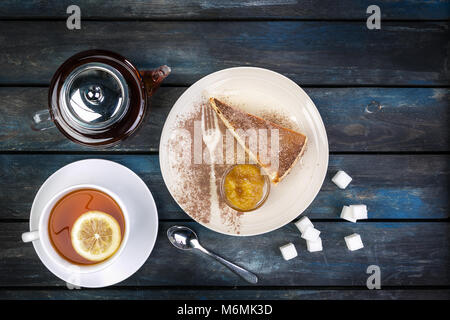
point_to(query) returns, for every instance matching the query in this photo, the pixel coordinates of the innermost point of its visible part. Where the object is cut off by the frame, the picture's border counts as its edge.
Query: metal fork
(210, 130)
(211, 137)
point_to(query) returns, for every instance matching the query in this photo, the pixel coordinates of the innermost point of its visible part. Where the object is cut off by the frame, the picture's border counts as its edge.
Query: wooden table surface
(383, 95)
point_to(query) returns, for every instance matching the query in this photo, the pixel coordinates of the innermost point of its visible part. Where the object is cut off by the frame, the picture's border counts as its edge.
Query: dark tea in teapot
(98, 98)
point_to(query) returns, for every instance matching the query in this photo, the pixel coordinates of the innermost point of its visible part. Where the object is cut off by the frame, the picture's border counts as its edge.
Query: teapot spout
(153, 78)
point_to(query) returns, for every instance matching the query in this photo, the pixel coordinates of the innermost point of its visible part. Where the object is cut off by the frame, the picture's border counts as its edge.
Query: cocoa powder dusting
(279, 118)
(192, 188)
(192, 191)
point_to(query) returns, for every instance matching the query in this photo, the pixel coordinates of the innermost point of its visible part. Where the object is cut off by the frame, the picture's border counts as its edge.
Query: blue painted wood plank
(392, 186)
(356, 119)
(310, 53)
(384, 119)
(408, 254)
(227, 9)
(149, 293)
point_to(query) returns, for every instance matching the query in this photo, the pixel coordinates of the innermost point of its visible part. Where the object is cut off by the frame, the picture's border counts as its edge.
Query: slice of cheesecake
(290, 148)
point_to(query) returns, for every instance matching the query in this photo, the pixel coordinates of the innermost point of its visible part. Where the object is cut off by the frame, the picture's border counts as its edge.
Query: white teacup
(42, 233)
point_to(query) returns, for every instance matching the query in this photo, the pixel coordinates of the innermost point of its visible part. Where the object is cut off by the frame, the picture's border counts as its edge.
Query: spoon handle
(246, 275)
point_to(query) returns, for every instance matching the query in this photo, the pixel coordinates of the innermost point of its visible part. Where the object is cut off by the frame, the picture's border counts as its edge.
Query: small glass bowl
(266, 191)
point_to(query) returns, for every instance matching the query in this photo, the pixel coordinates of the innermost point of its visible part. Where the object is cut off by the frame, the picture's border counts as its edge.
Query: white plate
(256, 89)
(143, 217)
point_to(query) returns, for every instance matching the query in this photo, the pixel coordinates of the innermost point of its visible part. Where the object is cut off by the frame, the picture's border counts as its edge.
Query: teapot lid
(94, 96)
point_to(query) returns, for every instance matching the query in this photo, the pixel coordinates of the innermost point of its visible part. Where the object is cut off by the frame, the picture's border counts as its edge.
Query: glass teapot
(98, 98)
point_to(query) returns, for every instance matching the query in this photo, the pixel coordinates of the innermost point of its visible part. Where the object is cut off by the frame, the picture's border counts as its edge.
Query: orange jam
(244, 186)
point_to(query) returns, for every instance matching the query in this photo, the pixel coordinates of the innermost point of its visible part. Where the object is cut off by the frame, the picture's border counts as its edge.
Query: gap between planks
(337, 220)
(216, 19)
(302, 85)
(155, 152)
(227, 288)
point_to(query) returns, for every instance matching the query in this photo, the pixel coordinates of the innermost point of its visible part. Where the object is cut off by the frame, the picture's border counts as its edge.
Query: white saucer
(254, 90)
(133, 192)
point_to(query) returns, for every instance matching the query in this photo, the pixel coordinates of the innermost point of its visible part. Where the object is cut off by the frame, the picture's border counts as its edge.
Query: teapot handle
(42, 120)
(153, 78)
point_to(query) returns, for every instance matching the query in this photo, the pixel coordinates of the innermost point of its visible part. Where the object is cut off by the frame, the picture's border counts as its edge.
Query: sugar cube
(303, 223)
(288, 251)
(347, 214)
(311, 234)
(341, 179)
(359, 211)
(314, 246)
(354, 242)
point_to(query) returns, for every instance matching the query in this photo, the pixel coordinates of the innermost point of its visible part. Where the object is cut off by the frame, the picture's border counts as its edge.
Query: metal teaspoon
(186, 239)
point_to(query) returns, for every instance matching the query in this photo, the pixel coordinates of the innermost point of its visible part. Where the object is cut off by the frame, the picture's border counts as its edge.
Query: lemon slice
(96, 235)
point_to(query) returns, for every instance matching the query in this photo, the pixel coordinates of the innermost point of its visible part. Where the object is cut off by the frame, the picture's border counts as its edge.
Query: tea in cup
(84, 226)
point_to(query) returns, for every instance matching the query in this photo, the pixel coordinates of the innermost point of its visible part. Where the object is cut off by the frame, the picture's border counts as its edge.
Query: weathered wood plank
(392, 186)
(356, 119)
(150, 293)
(402, 53)
(227, 9)
(19, 104)
(408, 254)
